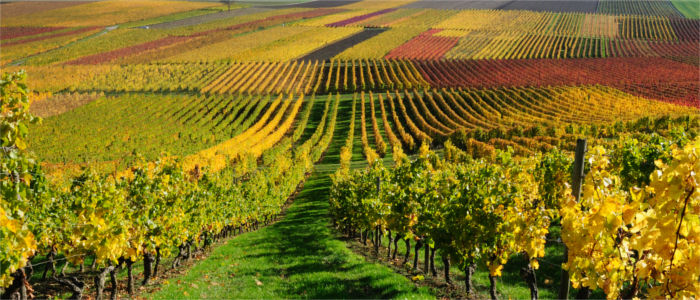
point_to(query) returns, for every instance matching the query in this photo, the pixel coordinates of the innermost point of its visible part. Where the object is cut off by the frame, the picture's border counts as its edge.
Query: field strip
(451, 4)
(316, 4)
(336, 48)
(209, 17)
(24, 8)
(99, 33)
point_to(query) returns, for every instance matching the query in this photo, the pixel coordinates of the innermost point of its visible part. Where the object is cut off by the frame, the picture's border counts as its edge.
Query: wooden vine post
(377, 234)
(576, 182)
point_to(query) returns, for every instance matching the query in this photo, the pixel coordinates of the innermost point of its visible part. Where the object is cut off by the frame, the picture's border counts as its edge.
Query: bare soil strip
(334, 49)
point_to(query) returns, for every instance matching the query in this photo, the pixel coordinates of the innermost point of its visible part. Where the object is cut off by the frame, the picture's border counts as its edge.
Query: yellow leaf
(21, 145)
(495, 269)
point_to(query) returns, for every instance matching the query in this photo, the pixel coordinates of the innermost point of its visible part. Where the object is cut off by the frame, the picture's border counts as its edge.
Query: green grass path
(297, 257)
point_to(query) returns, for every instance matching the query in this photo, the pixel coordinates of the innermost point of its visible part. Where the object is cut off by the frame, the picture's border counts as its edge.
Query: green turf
(689, 8)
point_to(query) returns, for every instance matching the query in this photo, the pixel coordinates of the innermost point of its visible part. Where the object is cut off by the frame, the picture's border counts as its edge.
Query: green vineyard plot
(687, 8)
(112, 128)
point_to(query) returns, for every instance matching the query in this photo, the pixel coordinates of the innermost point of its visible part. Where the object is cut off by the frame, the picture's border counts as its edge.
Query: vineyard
(350, 149)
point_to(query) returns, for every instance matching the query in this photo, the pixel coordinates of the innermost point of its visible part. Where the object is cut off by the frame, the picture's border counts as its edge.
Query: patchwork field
(542, 149)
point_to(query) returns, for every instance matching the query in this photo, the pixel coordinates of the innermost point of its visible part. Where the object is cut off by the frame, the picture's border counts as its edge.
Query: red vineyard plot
(19, 8)
(685, 93)
(638, 48)
(7, 33)
(648, 77)
(50, 36)
(424, 46)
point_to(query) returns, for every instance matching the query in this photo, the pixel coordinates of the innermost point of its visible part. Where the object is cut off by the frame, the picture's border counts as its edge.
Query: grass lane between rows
(299, 256)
